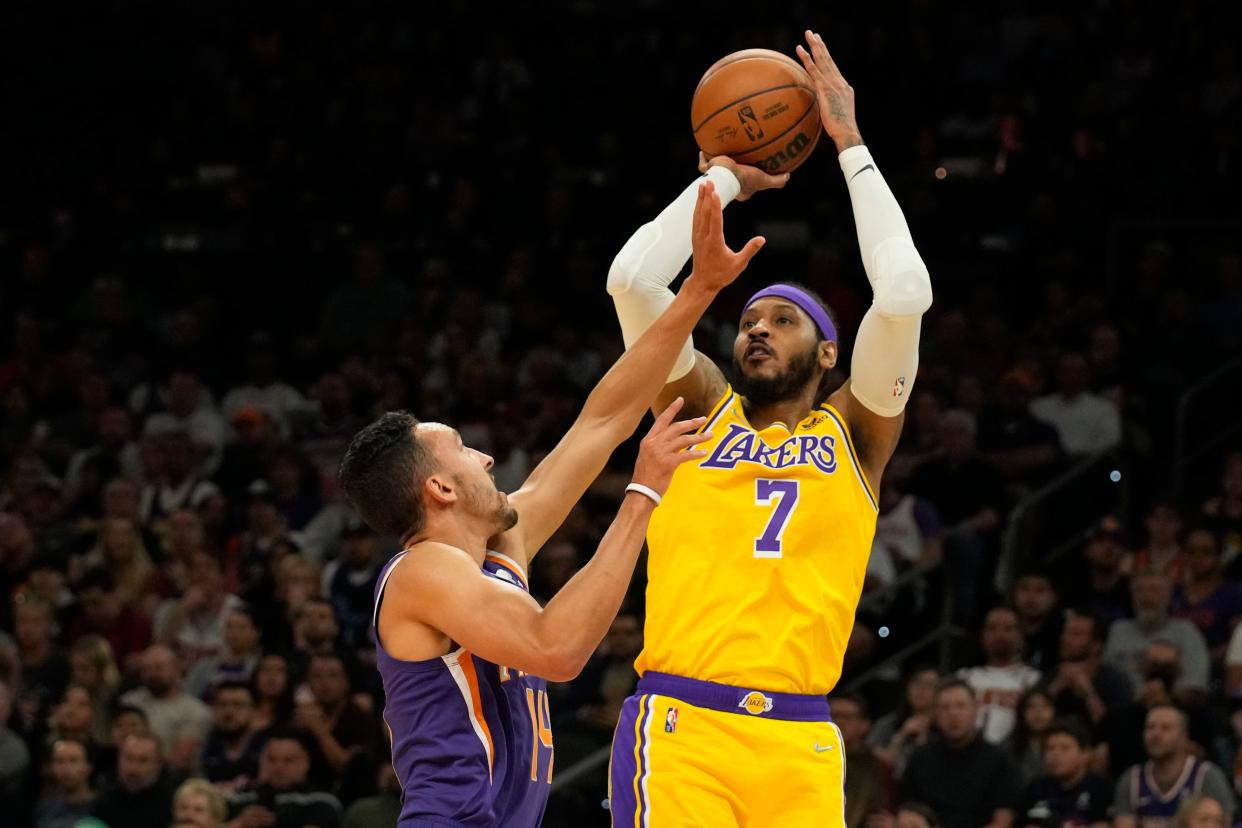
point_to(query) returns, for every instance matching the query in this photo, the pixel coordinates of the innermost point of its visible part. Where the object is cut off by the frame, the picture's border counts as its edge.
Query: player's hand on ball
(667, 445)
(836, 97)
(715, 265)
(752, 179)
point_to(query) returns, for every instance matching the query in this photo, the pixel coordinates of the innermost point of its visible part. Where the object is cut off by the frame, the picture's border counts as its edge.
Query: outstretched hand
(667, 445)
(750, 179)
(836, 97)
(715, 265)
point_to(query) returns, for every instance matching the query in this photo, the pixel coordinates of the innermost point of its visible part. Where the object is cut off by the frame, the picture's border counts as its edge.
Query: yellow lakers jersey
(757, 555)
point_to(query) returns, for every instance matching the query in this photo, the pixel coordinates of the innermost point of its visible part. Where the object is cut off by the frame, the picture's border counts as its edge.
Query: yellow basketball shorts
(697, 753)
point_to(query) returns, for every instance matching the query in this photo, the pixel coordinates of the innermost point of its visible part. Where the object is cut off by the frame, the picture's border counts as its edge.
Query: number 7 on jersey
(785, 495)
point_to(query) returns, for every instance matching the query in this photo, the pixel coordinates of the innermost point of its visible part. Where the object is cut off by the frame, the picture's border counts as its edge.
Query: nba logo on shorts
(670, 720)
(899, 387)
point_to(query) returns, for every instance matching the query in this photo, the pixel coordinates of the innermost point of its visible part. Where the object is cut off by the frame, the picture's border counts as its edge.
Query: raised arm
(886, 350)
(446, 589)
(639, 279)
(615, 407)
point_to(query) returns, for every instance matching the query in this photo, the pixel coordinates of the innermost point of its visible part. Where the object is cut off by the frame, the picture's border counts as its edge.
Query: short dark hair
(1071, 728)
(123, 709)
(953, 682)
(383, 472)
(1098, 632)
(287, 733)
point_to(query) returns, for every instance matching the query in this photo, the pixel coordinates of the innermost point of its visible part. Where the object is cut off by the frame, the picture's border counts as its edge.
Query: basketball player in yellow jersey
(758, 551)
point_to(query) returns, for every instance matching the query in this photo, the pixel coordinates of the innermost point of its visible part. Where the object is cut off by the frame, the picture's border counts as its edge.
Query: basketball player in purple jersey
(462, 647)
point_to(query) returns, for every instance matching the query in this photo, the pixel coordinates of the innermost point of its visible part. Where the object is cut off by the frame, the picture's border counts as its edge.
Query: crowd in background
(234, 234)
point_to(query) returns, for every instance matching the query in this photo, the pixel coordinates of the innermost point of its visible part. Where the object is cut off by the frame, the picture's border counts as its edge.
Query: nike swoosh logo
(863, 170)
(822, 748)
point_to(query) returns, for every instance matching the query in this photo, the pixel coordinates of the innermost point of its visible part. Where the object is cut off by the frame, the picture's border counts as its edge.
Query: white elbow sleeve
(901, 284)
(885, 361)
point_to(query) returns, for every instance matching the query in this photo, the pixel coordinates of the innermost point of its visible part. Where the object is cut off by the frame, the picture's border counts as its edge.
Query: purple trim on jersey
(803, 300)
(437, 751)
(791, 707)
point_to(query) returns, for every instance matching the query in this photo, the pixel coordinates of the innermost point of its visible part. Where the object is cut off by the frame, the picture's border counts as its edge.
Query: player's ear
(440, 489)
(827, 354)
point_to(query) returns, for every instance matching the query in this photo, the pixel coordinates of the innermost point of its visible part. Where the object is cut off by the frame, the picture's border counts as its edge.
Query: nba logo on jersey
(899, 387)
(755, 703)
(670, 720)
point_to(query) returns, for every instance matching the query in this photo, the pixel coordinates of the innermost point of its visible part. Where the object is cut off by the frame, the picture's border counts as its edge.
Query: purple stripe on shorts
(624, 769)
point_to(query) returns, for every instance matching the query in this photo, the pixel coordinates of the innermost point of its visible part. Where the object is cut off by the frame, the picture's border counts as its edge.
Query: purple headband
(803, 300)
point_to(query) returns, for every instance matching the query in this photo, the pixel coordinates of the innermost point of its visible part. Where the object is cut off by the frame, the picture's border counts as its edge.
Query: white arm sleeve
(886, 351)
(641, 273)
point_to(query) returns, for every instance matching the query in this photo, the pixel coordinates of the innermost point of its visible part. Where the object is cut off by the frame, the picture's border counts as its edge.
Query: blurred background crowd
(233, 233)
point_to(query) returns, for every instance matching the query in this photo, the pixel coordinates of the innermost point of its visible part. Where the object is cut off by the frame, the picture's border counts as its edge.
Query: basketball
(758, 107)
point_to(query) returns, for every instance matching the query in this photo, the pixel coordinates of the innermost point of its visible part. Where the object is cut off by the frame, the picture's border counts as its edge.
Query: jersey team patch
(755, 703)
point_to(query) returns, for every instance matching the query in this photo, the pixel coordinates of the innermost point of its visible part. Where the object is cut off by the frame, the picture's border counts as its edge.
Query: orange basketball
(757, 107)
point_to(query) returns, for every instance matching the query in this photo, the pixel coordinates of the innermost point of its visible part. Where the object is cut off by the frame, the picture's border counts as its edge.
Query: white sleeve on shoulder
(641, 273)
(886, 350)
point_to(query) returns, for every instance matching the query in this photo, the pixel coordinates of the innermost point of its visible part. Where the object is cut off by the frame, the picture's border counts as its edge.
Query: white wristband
(646, 491)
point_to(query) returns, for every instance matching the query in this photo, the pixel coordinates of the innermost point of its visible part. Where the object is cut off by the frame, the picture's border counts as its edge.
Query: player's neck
(790, 412)
(450, 529)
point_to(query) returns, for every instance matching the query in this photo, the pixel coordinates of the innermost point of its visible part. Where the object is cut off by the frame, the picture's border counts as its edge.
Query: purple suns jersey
(471, 741)
(1155, 808)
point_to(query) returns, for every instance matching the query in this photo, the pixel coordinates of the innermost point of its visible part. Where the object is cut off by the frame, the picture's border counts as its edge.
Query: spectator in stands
(1103, 588)
(180, 721)
(1002, 679)
(1036, 713)
(70, 797)
(315, 633)
(968, 496)
(237, 660)
(1084, 685)
(92, 667)
(200, 804)
(1025, 450)
(1128, 638)
(336, 723)
(349, 583)
(126, 721)
(114, 448)
(1163, 552)
(1121, 731)
(1086, 423)
(869, 780)
(907, 535)
(127, 631)
(73, 718)
(181, 483)
(1039, 619)
(967, 781)
(1224, 513)
(44, 667)
(231, 754)
(121, 551)
(897, 734)
(185, 536)
(14, 755)
(1155, 789)
(283, 798)
(1233, 665)
(247, 457)
(194, 624)
(1067, 792)
(190, 412)
(1200, 811)
(140, 794)
(384, 807)
(273, 692)
(1205, 598)
(263, 389)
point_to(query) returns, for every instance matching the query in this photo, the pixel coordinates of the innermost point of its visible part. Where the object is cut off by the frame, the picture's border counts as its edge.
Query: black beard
(768, 390)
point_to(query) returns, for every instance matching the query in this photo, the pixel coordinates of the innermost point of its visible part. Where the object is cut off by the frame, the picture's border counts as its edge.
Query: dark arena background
(233, 233)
